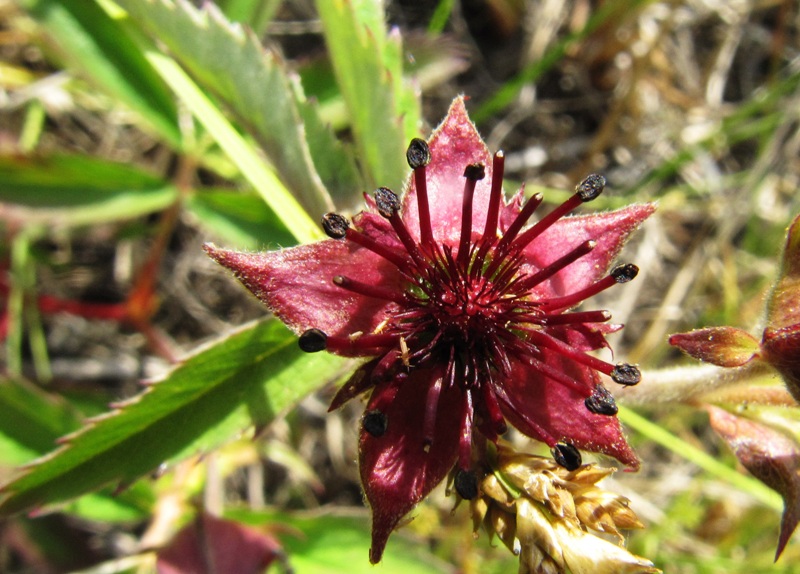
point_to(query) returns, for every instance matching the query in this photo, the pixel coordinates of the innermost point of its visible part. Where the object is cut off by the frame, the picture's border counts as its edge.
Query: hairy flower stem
(686, 384)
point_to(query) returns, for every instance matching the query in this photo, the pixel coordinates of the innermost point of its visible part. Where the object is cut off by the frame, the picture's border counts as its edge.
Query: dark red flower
(464, 310)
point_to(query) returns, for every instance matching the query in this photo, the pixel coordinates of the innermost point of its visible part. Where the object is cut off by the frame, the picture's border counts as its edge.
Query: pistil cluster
(465, 310)
(472, 309)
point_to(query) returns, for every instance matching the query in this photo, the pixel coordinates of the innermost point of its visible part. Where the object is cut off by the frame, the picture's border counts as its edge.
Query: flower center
(473, 307)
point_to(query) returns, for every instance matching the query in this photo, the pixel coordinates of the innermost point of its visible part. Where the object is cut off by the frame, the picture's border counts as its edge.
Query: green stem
(657, 434)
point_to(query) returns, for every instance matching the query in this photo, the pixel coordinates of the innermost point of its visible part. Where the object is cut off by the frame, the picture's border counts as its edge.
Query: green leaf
(257, 87)
(133, 504)
(101, 50)
(331, 544)
(245, 378)
(30, 421)
(368, 63)
(79, 190)
(242, 220)
(239, 150)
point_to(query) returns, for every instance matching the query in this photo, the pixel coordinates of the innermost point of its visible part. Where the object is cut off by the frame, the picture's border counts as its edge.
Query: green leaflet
(246, 378)
(241, 220)
(79, 190)
(259, 90)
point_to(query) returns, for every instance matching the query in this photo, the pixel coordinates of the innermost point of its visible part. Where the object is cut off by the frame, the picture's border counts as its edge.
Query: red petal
(454, 145)
(358, 383)
(560, 411)
(296, 283)
(610, 230)
(397, 470)
(721, 346)
(770, 456)
(214, 545)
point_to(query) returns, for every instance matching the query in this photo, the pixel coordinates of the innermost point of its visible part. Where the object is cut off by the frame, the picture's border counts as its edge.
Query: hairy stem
(684, 384)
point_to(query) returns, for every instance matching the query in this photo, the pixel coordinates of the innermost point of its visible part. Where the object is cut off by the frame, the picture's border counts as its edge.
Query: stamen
(431, 406)
(543, 224)
(587, 190)
(418, 156)
(387, 202)
(624, 273)
(567, 456)
(622, 371)
(495, 198)
(389, 207)
(335, 225)
(519, 221)
(474, 173)
(556, 375)
(465, 438)
(626, 374)
(577, 317)
(313, 341)
(368, 243)
(591, 187)
(374, 291)
(601, 402)
(557, 265)
(375, 423)
(620, 274)
(466, 484)
(362, 342)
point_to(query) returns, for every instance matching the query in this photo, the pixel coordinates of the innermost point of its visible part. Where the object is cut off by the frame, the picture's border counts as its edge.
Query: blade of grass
(240, 152)
(506, 94)
(657, 434)
(440, 17)
(367, 62)
(90, 42)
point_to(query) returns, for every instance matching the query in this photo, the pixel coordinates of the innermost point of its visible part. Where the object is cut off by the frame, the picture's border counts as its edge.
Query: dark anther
(418, 153)
(466, 483)
(335, 225)
(626, 374)
(567, 456)
(387, 201)
(591, 187)
(475, 171)
(313, 341)
(601, 402)
(625, 272)
(375, 423)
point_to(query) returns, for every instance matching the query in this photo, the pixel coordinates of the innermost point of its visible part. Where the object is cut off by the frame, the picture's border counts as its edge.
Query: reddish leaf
(770, 456)
(212, 545)
(722, 346)
(781, 341)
